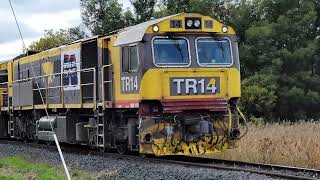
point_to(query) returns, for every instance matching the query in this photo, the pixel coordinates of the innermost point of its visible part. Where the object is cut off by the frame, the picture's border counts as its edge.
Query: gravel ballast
(115, 168)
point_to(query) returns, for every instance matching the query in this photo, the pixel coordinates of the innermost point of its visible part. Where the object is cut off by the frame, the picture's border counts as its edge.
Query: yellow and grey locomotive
(169, 86)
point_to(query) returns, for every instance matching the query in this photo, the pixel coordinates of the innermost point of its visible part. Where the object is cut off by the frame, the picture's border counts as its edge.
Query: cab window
(130, 59)
(213, 52)
(171, 52)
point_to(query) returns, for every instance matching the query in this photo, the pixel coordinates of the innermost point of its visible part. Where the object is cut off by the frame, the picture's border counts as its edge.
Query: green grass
(16, 168)
(9, 178)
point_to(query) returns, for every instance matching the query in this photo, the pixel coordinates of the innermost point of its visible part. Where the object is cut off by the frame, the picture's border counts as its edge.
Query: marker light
(155, 28)
(224, 29)
(197, 23)
(189, 23)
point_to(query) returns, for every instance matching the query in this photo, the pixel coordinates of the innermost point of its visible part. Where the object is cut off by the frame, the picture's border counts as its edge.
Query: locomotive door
(129, 75)
(89, 60)
(105, 74)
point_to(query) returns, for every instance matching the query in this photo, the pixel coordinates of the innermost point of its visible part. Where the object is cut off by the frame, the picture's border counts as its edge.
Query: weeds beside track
(286, 144)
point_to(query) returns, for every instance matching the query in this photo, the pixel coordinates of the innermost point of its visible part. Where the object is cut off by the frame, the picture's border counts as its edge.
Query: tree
(177, 6)
(128, 18)
(76, 33)
(244, 15)
(50, 40)
(284, 43)
(102, 16)
(219, 9)
(144, 9)
(53, 38)
(259, 95)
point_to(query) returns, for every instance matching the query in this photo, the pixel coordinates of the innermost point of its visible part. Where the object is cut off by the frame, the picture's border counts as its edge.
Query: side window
(130, 59)
(125, 59)
(18, 73)
(134, 62)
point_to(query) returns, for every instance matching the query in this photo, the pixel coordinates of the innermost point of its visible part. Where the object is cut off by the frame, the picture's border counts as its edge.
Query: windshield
(171, 52)
(212, 51)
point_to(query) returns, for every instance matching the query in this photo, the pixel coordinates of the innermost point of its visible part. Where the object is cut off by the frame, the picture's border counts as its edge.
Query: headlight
(197, 23)
(155, 28)
(192, 23)
(189, 23)
(224, 29)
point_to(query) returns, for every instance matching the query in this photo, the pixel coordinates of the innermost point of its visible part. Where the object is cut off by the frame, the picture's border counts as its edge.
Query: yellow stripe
(155, 84)
(71, 47)
(164, 26)
(38, 57)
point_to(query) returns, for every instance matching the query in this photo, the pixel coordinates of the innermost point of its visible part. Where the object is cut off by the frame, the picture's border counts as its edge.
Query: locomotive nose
(184, 83)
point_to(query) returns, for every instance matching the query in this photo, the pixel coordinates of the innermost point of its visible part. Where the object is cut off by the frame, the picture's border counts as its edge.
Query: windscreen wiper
(220, 45)
(179, 48)
(177, 45)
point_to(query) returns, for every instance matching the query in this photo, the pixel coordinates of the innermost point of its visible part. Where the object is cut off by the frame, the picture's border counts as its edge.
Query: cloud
(47, 6)
(34, 25)
(60, 20)
(41, 6)
(14, 48)
(9, 32)
(32, 29)
(35, 16)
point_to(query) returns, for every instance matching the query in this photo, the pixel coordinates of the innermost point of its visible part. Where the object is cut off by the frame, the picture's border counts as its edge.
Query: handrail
(61, 86)
(55, 87)
(94, 89)
(103, 82)
(107, 65)
(54, 74)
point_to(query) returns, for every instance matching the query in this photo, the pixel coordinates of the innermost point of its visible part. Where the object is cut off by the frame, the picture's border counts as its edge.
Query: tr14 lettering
(194, 86)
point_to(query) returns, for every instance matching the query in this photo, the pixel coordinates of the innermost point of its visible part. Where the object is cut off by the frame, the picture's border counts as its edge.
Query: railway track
(275, 171)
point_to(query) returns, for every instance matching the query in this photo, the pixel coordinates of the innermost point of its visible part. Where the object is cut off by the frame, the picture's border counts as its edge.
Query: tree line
(279, 45)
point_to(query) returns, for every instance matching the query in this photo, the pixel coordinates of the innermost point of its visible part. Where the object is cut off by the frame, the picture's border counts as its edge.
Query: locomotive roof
(5, 61)
(135, 33)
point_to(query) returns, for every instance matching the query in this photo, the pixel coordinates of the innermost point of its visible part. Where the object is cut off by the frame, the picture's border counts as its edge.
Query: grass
(284, 144)
(19, 168)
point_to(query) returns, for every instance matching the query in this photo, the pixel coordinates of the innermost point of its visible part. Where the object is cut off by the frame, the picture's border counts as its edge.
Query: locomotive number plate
(194, 86)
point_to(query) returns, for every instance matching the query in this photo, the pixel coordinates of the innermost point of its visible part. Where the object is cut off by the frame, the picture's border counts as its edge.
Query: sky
(34, 17)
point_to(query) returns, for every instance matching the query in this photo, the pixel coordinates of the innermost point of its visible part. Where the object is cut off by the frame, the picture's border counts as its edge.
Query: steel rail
(278, 171)
(252, 168)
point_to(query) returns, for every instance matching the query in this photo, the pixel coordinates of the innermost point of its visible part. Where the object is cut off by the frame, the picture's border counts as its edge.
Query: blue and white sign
(70, 69)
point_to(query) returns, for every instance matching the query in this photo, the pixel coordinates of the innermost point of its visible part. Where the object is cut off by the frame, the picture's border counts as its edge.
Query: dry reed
(284, 144)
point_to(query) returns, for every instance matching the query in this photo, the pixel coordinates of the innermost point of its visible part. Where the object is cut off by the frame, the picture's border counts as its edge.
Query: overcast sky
(34, 17)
